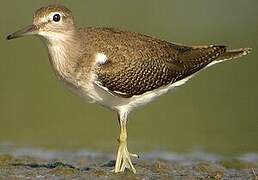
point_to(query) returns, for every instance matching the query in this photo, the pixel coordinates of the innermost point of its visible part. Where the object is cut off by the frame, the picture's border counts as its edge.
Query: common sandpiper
(118, 69)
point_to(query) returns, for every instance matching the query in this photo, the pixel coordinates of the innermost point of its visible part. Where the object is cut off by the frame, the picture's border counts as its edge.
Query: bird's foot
(123, 159)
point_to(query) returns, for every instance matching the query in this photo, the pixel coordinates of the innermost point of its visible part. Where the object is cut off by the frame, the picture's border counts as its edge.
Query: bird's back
(138, 63)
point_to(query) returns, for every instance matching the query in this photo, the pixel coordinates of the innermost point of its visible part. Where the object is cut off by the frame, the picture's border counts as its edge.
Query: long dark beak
(29, 30)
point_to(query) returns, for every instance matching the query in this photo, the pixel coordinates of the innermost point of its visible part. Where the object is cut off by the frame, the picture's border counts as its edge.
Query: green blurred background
(215, 112)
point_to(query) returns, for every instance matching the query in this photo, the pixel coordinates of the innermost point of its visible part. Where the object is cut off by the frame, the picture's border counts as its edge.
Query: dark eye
(56, 17)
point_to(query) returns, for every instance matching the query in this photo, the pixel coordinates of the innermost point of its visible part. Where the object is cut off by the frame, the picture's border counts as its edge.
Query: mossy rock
(5, 159)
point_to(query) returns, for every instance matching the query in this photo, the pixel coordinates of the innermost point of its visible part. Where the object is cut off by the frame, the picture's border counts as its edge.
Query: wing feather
(137, 63)
(136, 77)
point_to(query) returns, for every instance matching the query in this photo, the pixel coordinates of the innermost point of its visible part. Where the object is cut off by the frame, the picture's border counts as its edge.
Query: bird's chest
(64, 68)
(80, 77)
(79, 80)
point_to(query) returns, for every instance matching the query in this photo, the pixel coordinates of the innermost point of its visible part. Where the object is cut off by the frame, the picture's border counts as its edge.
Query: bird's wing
(135, 77)
(137, 63)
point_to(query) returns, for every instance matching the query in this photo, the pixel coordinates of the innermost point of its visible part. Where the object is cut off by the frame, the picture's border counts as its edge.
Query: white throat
(56, 45)
(60, 47)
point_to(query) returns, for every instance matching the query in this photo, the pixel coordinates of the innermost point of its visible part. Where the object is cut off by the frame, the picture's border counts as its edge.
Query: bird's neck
(64, 51)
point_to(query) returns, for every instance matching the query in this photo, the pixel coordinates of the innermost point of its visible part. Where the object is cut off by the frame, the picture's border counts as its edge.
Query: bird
(118, 69)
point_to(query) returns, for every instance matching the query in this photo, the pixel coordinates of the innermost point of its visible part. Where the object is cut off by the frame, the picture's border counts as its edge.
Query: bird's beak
(29, 30)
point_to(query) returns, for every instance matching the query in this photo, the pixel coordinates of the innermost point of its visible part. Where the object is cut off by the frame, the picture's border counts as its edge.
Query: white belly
(94, 92)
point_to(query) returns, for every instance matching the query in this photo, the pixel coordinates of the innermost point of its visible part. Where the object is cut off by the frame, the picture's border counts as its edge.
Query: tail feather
(233, 54)
(230, 54)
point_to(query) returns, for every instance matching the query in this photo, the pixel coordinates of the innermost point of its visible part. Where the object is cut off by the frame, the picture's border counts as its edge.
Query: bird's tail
(233, 54)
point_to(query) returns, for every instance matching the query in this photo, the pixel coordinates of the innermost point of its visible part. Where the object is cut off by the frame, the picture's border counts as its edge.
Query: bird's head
(51, 22)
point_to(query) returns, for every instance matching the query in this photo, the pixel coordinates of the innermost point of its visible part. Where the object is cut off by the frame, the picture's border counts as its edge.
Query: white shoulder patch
(101, 58)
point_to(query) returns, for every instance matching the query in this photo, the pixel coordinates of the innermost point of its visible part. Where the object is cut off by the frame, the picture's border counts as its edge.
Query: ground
(32, 164)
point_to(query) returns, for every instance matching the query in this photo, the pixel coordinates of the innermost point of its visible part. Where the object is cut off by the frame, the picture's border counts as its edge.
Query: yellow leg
(123, 159)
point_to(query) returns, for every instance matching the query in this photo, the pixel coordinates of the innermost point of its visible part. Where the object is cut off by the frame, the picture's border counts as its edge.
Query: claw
(135, 155)
(123, 159)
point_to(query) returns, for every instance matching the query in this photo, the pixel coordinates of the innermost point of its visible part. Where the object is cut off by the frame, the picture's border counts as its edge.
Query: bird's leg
(123, 159)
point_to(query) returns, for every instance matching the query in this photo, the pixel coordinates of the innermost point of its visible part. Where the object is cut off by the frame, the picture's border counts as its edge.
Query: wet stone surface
(30, 164)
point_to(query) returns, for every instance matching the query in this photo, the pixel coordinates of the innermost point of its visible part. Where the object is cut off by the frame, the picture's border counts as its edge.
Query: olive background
(215, 112)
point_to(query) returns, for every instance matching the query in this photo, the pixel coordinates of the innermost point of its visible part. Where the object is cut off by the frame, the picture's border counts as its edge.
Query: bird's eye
(56, 17)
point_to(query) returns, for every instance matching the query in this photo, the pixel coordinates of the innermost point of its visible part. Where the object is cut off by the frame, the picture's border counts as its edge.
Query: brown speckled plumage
(136, 63)
(54, 8)
(139, 63)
